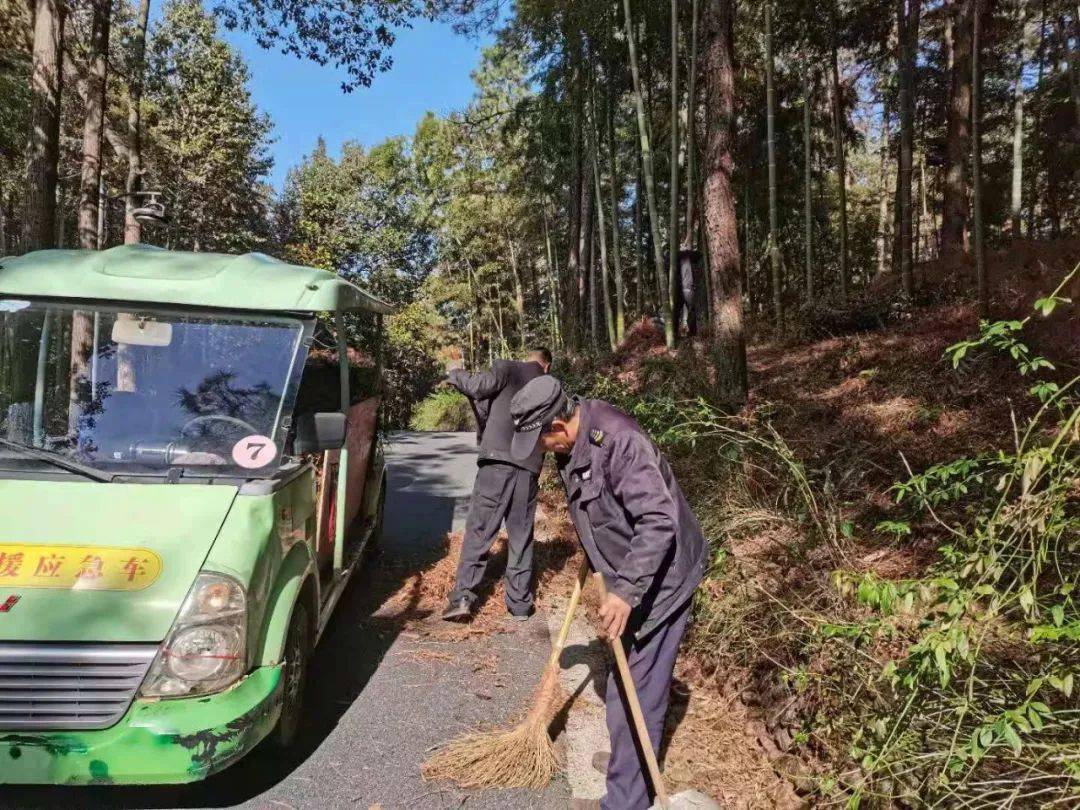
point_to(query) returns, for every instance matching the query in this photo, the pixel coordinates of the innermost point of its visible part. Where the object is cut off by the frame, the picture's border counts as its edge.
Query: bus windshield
(147, 390)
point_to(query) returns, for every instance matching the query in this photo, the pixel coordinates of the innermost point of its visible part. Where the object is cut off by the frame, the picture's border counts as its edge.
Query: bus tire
(298, 644)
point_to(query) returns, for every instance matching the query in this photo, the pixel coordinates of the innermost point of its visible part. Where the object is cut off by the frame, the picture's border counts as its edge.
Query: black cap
(533, 408)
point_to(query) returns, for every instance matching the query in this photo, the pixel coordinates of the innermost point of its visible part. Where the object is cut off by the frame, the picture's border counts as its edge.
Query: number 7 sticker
(255, 451)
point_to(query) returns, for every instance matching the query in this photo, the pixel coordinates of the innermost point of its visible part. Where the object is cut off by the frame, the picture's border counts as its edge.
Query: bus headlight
(205, 650)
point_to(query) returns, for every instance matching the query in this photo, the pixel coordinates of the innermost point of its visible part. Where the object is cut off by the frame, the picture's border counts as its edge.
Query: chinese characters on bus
(78, 567)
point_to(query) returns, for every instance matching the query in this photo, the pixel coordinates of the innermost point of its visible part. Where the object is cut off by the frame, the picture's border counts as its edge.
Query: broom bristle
(523, 757)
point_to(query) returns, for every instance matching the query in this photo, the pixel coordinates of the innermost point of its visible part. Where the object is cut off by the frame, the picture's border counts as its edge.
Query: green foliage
(14, 96)
(443, 411)
(363, 216)
(206, 140)
(409, 375)
(1000, 595)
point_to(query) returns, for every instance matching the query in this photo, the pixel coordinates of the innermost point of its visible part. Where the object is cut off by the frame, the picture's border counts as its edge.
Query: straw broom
(524, 756)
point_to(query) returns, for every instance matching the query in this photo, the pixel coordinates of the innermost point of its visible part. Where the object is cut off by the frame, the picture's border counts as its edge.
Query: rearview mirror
(132, 331)
(316, 432)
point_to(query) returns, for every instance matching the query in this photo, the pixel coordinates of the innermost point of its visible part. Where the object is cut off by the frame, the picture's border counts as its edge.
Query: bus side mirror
(316, 432)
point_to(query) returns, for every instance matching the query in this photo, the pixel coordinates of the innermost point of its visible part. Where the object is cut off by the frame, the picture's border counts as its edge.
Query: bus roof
(144, 273)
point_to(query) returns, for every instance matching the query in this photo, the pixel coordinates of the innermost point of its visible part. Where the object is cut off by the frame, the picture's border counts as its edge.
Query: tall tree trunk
(958, 132)
(1074, 62)
(497, 313)
(976, 161)
(82, 326)
(841, 162)
(609, 318)
(519, 290)
(594, 329)
(648, 173)
(531, 277)
(638, 275)
(691, 132)
(895, 259)
(883, 192)
(721, 227)
(613, 168)
(571, 323)
(1016, 202)
(132, 229)
(39, 220)
(94, 125)
(474, 320)
(808, 223)
(672, 331)
(585, 249)
(1056, 199)
(1040, 58)
(744, 276)
(924, 211)
(908, 23)
(770, 116)
(553, 283)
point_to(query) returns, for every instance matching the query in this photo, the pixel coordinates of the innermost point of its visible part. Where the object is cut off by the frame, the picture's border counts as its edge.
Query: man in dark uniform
(505, 487)
(640, 535)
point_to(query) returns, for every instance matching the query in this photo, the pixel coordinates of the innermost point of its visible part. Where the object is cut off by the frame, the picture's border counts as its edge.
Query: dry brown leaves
(710, 746)
(427, 656)
(421, 597)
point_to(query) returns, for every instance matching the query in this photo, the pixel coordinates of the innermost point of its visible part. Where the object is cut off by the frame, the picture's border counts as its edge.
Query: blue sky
(431, 71)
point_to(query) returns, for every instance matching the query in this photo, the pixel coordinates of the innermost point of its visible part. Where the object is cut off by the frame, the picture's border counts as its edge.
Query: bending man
(505, 487)
(640, 535)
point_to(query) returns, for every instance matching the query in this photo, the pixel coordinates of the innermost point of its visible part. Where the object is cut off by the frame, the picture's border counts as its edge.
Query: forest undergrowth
(894, 521)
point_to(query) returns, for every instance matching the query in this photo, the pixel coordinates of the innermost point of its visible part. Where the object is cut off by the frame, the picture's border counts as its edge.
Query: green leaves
(1063, 683)
(1046, 306)
(887, 597)
(1044, 391)
(364, 215)
(1052, 633)
(897, 528)
(1005, 729)
(207, 142)
(945, 483)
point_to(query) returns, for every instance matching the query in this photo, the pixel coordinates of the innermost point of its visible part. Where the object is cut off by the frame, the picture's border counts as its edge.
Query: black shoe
(522, 617)
(459, 611)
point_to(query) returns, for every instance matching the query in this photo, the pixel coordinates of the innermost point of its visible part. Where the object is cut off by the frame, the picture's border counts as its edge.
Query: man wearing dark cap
(640, 535)
(505, 487)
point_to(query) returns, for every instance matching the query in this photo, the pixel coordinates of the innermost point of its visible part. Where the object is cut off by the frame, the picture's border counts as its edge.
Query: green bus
(190, 469)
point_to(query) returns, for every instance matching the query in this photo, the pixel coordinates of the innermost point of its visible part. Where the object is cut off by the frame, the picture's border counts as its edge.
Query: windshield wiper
(57, 460)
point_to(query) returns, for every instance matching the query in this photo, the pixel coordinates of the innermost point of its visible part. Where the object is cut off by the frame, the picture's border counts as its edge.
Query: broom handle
(635, 709)
(571, 609)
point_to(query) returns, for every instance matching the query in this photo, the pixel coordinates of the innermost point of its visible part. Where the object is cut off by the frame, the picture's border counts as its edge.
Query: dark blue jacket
(491, 392)
(631, 516)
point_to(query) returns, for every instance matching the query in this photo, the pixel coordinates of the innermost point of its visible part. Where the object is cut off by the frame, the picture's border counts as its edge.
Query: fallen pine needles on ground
(421, 598)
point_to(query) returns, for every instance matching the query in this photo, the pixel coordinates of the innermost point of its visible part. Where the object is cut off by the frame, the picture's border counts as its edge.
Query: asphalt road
(378, 698)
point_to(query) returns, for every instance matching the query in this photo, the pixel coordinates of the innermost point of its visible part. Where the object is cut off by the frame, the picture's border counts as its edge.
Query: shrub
(408, 377)
(443, 411)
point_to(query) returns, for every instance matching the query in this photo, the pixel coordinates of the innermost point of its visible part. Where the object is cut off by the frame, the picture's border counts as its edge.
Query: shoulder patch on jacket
(597, 437)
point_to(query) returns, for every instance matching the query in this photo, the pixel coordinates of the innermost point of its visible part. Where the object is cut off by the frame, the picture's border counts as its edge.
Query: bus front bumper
(157, 741)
